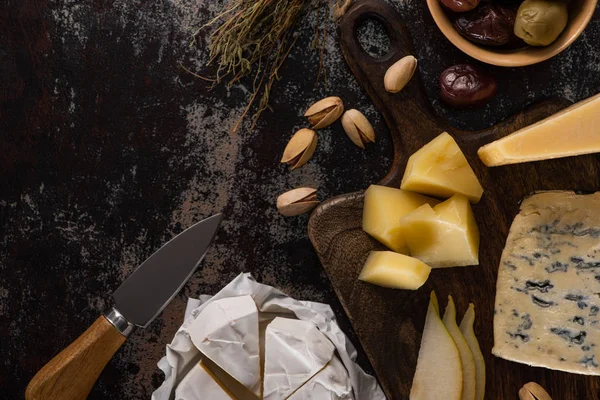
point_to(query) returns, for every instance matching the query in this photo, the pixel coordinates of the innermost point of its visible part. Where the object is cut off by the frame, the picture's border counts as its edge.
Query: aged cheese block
(394, 270)
(384, 206)
(441, 169)
(443, 236)
(571, 132)
(547, 310)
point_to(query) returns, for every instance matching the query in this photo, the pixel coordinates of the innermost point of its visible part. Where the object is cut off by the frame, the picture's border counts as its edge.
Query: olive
(465, 85)
(539, 22)
(488, 24)
(460, 5)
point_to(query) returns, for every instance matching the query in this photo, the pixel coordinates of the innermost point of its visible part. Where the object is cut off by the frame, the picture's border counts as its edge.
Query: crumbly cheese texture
(571, 132)
(547, 310)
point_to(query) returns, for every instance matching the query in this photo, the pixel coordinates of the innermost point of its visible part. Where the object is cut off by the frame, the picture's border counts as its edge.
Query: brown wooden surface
(389, 322)
(72, 373)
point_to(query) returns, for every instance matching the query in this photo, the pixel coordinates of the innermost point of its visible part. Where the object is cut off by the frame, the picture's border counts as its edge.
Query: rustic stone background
(108, 149)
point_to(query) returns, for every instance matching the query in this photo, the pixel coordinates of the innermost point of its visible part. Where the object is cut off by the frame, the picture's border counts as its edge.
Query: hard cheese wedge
(466, 356)
(439, 369)
(393, 270)
(331, 383)
(443, 236)
(440, 169)
(201, 384)
(384, 206)
(294, 352)
(226, 331)
(571, 132)
(547, 310)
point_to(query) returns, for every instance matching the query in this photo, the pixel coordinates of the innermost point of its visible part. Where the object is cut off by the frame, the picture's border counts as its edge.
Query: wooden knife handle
(72, 373)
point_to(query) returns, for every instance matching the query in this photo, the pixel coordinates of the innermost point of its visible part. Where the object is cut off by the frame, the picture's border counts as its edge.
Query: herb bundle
(253, 38)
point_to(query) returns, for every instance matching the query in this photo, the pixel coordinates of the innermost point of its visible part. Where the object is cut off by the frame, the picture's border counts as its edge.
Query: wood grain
(72, 373)
(389, 322)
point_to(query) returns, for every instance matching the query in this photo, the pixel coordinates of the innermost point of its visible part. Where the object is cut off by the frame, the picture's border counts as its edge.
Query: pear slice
(439, 371)
(466, 356)
(466, 327)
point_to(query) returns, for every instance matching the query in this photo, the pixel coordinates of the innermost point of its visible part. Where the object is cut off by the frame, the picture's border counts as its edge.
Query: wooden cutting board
(389, 322)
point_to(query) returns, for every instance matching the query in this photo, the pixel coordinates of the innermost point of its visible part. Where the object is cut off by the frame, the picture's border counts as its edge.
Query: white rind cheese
(226, 331)
(547, 310)
(294, 352)
(199, 384)
(331, 383)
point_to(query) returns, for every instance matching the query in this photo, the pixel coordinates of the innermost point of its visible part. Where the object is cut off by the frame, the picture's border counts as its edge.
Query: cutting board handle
(409, 115)
(72, 373)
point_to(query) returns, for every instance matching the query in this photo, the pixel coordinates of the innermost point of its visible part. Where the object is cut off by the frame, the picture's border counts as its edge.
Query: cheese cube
(201, 384)
(384, 207)
(226, 331)
(440, 169)
(443, 236)
(393, 270)
(294, 352)
(571, 132)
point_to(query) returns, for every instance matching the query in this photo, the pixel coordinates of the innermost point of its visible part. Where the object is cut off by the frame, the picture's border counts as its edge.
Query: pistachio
(324, 112)
(358, 128)
(297, 201)
(399, 74)
(533, 391)
(300, 148)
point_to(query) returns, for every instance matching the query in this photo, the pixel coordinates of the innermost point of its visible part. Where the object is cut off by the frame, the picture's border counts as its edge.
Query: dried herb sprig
(254, 37)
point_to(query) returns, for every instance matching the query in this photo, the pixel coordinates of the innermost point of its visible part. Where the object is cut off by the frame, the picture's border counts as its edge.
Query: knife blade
(71, 374)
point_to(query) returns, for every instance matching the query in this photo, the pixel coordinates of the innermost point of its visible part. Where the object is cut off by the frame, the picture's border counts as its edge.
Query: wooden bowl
(580, 13)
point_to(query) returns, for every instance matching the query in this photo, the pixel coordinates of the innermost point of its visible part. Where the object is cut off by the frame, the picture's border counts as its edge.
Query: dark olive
(465, 85)
(460, 5)
(488, 24)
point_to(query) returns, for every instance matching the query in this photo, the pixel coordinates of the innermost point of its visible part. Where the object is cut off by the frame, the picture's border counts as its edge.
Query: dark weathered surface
(389, 322)
(107, 150)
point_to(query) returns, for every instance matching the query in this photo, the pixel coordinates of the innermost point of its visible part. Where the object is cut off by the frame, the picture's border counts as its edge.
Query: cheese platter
(390, 322)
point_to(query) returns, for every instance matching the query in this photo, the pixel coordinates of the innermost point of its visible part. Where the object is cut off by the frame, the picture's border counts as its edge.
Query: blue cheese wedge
(547, 311)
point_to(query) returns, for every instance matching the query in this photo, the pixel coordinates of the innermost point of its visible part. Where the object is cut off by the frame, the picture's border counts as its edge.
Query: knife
(141, 297)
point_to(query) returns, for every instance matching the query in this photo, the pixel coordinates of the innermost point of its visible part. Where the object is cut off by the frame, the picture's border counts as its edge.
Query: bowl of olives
(512, 33)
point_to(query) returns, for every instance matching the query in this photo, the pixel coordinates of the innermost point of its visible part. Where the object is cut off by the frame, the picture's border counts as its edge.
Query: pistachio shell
(536, 391)
(325, 112)
(358, 128)
(300, 148)
(399, 74)
(297, 201)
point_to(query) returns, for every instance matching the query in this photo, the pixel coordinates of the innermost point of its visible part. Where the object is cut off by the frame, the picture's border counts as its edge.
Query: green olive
(539, 22)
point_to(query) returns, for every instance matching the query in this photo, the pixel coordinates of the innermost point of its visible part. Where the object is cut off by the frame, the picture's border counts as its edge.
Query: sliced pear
(393, 270)
(384, 206)
(439, 371)
(441, 169)
(466, 356)
(443, 236)
(466, 327)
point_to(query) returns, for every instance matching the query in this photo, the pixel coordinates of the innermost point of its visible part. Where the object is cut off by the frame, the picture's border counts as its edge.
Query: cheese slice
(226, 331)
(200, 384)
(547, 310)
(332, 383)
(294, 352)
(571, 132)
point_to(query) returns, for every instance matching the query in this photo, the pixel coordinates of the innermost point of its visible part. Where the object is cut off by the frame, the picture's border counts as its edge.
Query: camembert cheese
(571, 132)
(547, 310)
